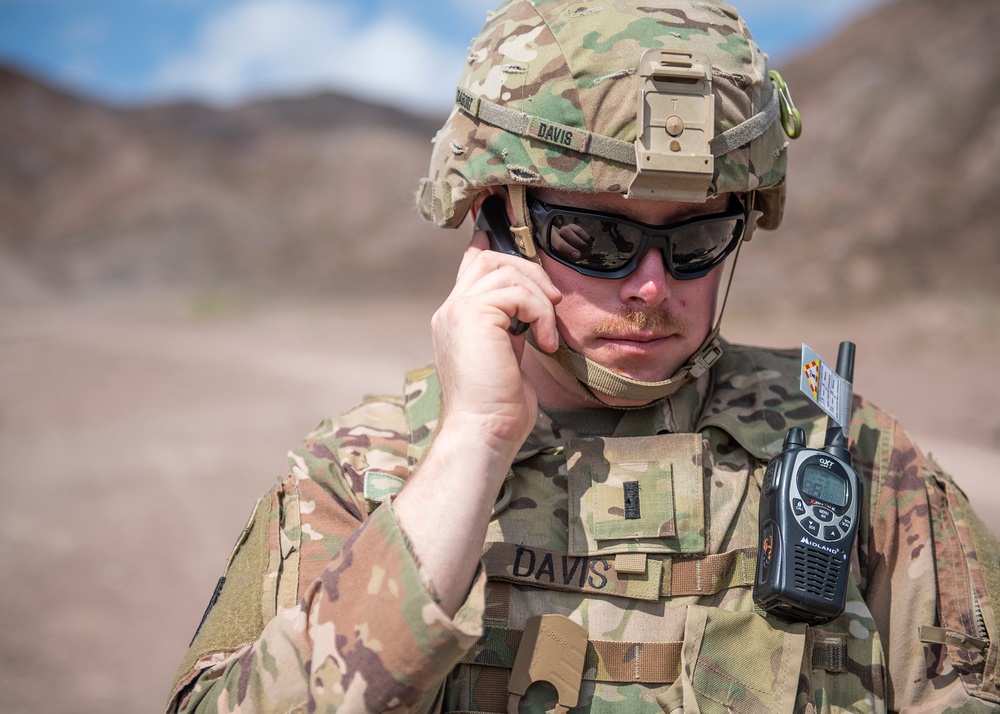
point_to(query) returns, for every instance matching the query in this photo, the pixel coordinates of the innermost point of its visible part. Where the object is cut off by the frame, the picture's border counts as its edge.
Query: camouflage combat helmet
(556, 94)
(658, 99)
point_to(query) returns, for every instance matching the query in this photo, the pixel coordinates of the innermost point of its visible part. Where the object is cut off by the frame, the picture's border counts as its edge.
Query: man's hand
(477, 359)
(488, 410)
(572, 242)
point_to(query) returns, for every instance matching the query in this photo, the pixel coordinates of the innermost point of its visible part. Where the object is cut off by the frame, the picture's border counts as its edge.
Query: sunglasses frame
(542, 214)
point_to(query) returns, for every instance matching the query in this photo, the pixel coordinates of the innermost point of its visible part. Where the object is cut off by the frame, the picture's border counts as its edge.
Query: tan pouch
(736, 662)
(636, 495)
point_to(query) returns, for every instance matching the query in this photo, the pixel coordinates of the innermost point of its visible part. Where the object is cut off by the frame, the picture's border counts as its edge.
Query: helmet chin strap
(597, 379)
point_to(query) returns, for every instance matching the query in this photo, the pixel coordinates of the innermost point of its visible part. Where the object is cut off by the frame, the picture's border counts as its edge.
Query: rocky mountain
(891, 188)
(303, 195)
(894, 184)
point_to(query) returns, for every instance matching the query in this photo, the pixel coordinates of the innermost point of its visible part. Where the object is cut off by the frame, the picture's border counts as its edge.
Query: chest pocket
(636, 495)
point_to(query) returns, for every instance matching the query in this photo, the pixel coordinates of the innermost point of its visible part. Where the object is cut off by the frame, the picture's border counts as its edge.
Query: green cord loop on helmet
(791, 119)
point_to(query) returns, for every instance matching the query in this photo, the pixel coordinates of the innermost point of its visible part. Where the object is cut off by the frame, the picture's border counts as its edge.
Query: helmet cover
(571, 70)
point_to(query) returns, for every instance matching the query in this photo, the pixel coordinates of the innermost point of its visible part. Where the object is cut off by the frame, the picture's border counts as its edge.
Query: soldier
(569, 518)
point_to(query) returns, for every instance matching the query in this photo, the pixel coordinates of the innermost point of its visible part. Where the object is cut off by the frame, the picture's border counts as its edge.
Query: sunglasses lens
(700, 245)
(604, 244)
(591, 243)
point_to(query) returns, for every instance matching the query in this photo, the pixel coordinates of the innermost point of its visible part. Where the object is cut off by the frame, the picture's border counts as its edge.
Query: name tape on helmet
(566, 137)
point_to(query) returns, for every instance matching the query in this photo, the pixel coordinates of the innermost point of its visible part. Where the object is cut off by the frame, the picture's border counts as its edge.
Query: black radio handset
(809, 508)
(493, 221)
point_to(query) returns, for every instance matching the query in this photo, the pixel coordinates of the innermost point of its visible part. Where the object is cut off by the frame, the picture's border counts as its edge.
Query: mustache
(630, 319)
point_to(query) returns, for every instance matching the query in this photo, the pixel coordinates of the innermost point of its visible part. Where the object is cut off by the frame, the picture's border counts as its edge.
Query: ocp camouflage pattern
(352, 625)
(576, 64)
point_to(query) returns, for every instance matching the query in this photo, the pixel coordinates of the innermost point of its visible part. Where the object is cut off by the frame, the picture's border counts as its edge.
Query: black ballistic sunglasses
(606, 245)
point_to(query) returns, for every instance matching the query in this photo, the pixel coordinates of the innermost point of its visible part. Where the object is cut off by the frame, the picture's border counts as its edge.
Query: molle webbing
(606, 661)
(645, 662)
(534, 567)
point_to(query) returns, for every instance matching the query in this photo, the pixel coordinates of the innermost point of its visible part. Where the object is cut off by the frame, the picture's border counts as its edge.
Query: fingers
(503, 293)
(572, 242)
(511, 286)
(477, 245)
(516, 288)
(480, 261)
(478, 361)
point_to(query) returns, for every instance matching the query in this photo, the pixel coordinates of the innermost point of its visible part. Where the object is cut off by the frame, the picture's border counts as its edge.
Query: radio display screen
(824, 485)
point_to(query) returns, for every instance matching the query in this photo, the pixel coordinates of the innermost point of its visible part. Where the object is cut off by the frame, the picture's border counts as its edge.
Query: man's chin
(644, 368)
(640, 370)
(649, 361)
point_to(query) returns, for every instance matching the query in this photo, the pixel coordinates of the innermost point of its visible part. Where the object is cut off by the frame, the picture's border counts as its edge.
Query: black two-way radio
(493, 221)
(809, 506)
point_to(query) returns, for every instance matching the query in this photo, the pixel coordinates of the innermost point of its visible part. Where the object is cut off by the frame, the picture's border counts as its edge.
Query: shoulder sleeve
(323, 605)
(932, 570)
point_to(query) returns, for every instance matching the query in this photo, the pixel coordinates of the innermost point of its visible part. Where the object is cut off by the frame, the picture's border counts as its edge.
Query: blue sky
(407, 52)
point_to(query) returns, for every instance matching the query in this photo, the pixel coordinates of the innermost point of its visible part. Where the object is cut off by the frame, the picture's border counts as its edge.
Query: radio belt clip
(552, 649)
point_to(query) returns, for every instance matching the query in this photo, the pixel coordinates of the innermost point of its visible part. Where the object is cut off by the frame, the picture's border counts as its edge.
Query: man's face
(647, 324)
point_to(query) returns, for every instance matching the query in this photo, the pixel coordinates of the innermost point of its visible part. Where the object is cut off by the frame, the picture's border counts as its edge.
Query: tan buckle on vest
(552, 649)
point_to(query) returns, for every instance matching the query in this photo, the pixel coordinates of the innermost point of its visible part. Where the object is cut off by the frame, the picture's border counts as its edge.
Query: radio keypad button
(845, 523)
(810, 525)
(799, 507)
(831, 533)
(824, 514)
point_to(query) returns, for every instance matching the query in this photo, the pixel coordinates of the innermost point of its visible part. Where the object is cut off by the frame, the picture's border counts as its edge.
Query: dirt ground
(135, 436)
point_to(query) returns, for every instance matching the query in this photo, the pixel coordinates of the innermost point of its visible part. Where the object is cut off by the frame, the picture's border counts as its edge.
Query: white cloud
(267, 47)
(259, 47)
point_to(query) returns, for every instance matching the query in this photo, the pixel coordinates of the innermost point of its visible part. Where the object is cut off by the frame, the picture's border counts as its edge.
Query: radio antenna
(836, 434)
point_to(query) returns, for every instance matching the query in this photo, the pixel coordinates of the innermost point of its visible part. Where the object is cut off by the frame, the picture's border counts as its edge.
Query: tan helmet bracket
(676, 123)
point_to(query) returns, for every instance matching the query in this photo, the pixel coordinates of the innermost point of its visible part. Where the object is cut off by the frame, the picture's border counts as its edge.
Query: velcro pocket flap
(636, 494)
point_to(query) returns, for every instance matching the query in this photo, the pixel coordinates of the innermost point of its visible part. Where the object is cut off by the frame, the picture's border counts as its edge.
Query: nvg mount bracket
(676, 124)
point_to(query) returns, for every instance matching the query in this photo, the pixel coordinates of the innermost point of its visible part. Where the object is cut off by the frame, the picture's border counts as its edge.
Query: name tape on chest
(667, 577)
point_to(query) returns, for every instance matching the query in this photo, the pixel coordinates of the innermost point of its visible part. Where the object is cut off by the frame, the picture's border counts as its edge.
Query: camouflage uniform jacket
(324, 607)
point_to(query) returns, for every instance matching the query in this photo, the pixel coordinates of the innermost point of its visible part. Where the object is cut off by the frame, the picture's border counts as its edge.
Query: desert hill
(302, 195)
(137, 431)
(892, 185)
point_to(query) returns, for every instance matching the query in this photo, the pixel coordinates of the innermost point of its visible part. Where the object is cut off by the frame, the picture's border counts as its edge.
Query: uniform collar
(679, 413)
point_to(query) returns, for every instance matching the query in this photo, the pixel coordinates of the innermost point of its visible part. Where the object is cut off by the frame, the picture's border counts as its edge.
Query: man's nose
(649, 284)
